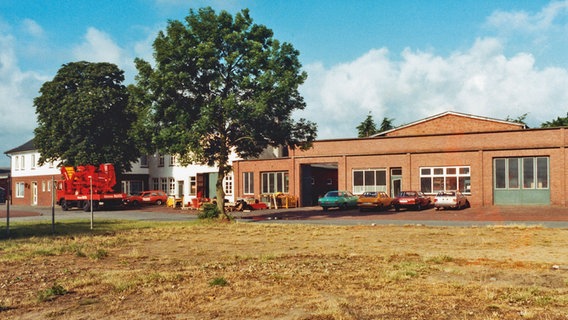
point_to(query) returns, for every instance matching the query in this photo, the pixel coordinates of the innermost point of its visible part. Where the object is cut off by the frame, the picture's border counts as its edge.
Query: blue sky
(404, 60)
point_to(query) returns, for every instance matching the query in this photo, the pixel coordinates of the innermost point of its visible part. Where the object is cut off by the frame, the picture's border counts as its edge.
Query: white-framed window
(369, 180)
(273, 182)
(192, 185)
(17, 163)
(173, 160)
(144, 161)
(164, 184)
(228, 183)
(160, 160)
(155, 184)
(43, 186)
(436, 179)
(521, 173)
(20, 188)
(171, 186)
(248, 182)
(33, 164)
(22, 162)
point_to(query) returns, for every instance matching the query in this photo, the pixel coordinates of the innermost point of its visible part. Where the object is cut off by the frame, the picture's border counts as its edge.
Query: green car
(338, 199)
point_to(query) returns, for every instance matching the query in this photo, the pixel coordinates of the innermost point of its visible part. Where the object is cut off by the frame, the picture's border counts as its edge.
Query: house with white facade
(31, 184)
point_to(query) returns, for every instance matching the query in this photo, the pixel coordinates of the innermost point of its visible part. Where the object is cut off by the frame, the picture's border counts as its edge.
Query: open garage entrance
(317, 179)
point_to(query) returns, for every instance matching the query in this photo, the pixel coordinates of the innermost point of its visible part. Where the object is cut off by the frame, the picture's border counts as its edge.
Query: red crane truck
(85, 185)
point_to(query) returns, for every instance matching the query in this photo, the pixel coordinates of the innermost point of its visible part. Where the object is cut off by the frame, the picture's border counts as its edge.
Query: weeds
(218, 282)
(51, 293)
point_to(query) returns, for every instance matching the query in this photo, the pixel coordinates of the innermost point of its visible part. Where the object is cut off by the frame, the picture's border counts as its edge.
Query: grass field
(137, 270)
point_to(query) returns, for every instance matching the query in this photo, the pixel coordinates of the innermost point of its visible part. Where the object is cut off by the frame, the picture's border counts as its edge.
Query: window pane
(279, 182)
(451, 183)
(369, 178)
(426, 185)
(528, 173)
(381, 178)
(542, 173)
(464, 184)
(451, 171)
(500, 173)
(425, 171)
(358, 178)
(513, 173)
(438, 171)
(438, 184)
(464, 170)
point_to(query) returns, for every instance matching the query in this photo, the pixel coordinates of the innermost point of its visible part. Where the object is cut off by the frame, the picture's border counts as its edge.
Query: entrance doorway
(396, 181)
(317, 180)
(34, 193)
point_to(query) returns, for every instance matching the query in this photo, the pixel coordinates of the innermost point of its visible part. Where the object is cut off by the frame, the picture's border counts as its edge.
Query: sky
(401, 60)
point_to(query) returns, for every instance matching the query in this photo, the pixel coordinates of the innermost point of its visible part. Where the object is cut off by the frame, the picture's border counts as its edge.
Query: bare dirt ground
(264, 271)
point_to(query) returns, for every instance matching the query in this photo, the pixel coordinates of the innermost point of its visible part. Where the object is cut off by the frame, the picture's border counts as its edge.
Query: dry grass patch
(262, 271)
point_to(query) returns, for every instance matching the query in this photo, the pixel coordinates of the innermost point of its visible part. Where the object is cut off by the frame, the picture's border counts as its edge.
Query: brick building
(494, 162)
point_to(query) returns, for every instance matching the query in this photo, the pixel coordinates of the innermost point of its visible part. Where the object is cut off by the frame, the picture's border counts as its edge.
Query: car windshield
(447, 194)
(407, 194)
(369, 194)
(332, 194)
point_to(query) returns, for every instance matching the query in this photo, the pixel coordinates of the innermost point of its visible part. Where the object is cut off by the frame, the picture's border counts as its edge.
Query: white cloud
(17, 90)
(98, 47)
(548, 17)
(33, 28)
(481, 81)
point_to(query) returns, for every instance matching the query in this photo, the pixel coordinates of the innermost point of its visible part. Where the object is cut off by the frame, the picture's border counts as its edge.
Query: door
(396, 181)
(34, 193)
(180, 190)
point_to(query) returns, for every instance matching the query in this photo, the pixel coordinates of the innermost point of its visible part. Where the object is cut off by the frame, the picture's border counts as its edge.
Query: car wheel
(64, 205)
(418, 207)
(397, 208)
(324, 208)
(159, 202)
(87, 206)
(343, 206)
(135, 203)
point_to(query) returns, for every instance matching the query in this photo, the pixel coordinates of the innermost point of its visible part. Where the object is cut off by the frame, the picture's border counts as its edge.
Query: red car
(411, 199)
(147, 197)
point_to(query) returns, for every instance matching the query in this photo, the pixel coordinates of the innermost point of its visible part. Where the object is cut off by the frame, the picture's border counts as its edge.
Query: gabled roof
(489, 124)
(28, 146)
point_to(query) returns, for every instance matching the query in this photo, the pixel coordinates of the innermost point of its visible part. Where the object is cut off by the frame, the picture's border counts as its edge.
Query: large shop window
(273, 182)
(521, 173)
(436, 179)
(369, 180)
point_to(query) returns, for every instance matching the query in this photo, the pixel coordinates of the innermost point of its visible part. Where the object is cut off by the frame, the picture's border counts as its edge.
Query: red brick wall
(453, 124)
(476, 150)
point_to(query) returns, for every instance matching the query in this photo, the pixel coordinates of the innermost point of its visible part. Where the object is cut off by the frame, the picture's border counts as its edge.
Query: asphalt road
(545, 216)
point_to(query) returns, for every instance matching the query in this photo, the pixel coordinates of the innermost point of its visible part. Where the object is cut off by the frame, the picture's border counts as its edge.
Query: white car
(450, 199)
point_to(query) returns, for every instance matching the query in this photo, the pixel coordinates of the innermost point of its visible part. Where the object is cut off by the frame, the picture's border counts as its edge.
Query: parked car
(411, 200)
(147, 197)
(338, 199)
(450, 199)
(376, 200)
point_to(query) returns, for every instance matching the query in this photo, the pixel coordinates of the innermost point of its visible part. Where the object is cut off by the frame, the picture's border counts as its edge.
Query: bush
(210, 211)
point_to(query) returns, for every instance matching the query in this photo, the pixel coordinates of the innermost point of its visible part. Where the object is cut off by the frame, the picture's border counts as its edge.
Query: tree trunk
(221, 192)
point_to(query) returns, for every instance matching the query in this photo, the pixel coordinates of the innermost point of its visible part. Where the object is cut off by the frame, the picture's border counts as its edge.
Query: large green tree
(221, 84)
(84, 117)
